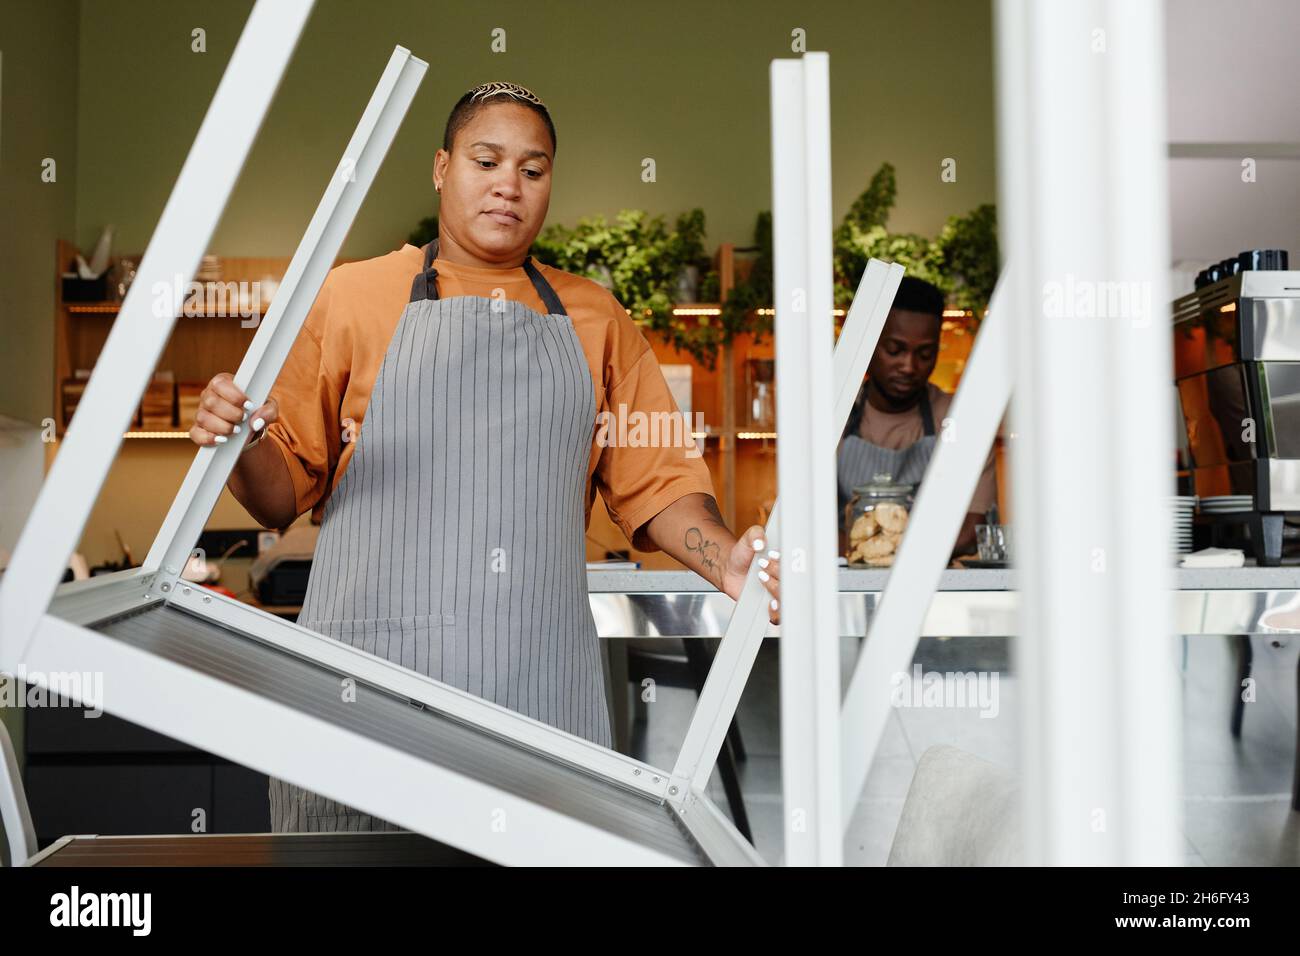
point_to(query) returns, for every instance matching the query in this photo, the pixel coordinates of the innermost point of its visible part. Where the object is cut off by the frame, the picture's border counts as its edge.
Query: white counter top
(1285, 578)
(970, 601)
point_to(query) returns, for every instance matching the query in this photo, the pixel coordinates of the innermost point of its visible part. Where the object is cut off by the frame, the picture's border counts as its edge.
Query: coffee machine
(1237, 371)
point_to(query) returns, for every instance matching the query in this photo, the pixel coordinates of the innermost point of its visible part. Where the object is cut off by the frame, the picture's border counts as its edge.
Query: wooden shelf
(200, 346)
(112, 308)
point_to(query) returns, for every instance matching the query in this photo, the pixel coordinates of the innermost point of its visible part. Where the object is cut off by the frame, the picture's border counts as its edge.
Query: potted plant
(962, 260)
(644, 264)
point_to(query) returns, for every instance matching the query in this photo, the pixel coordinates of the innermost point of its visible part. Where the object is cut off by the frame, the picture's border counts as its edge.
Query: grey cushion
(961, 810)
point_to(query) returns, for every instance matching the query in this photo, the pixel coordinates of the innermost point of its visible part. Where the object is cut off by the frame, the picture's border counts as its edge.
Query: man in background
(898, 414)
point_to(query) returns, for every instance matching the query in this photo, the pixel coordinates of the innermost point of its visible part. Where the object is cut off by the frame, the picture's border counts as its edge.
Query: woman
(438, 415)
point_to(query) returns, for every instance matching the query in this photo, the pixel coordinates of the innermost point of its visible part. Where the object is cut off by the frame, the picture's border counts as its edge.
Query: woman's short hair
(485, 94)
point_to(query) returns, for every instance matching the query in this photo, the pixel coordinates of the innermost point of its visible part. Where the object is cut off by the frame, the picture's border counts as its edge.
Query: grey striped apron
(859, 461)
(455, 541)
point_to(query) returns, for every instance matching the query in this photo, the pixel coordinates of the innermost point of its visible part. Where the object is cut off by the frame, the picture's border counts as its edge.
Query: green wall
(684, 83)
(38, 120)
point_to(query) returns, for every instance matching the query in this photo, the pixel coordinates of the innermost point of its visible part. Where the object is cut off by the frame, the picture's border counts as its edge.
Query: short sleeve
(648, 459)
(309, 398)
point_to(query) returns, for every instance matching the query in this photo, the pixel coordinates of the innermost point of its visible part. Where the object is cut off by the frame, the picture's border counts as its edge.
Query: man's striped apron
(859, 461)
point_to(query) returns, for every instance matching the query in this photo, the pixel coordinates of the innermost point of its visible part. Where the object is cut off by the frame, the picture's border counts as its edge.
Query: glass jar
(884, 529)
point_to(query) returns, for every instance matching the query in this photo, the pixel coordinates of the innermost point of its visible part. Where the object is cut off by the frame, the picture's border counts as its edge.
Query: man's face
(904, 359)
(496, 182)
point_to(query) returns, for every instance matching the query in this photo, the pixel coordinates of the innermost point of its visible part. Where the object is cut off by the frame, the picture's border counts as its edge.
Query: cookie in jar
(876, 518)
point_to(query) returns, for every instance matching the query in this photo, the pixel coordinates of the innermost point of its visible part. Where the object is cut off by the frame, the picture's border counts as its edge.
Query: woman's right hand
(223, 410)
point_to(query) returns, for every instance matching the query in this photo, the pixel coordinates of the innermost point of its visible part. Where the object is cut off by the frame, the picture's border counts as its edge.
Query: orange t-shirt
(325, 385)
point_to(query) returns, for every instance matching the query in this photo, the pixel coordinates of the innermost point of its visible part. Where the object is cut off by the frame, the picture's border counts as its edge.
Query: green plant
(966, 255)
(710, 286)
(425, 232)
(686, 241)
(639, 259)
(962, 260)
(872, 207)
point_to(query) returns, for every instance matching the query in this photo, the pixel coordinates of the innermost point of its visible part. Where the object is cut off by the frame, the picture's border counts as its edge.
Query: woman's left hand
(752, 547)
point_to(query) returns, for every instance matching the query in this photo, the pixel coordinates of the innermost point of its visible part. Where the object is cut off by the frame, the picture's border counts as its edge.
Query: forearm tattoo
(696, 540)
(710, 551)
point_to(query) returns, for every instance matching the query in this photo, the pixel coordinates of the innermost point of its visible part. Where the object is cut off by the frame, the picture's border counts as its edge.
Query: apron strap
(855, 413)
(544, 291)
(927, 415)
(425, 285)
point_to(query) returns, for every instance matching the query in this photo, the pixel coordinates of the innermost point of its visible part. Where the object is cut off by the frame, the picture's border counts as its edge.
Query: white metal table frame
(45, 627)
(42, 631)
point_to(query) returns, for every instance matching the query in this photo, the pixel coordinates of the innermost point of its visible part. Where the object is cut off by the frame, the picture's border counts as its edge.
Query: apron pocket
(414, 641)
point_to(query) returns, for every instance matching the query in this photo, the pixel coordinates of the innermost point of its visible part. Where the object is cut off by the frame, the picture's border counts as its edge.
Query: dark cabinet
(107, 776)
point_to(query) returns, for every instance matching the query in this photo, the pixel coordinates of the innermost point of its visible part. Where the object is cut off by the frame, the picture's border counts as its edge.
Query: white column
(1084, 219)
(801, 227)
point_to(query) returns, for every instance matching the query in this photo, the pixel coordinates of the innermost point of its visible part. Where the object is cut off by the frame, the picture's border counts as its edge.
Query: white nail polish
(775, 605)
(248, 406)
(764, 576)
(257, 424)
(236, 429)
(774, 554)
(219, 439)
(758, 544)
(762, 562)
(245, 417)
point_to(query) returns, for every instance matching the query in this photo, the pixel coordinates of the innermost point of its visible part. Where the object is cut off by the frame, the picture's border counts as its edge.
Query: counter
(969, 602)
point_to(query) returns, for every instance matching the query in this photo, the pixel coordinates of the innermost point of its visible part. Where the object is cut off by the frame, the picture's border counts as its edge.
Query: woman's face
(496, 183)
